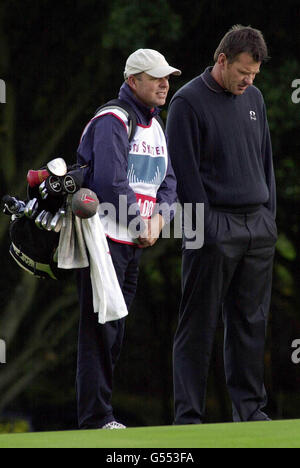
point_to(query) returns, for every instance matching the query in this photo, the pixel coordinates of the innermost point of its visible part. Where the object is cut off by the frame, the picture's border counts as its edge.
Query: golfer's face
(151, 91)
(240, 74)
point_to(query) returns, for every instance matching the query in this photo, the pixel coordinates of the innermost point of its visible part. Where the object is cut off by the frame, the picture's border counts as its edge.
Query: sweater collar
(213, 85)
(211, 82)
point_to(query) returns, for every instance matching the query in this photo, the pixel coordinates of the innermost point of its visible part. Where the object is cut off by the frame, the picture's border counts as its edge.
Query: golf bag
(34, 249)
(36, 223)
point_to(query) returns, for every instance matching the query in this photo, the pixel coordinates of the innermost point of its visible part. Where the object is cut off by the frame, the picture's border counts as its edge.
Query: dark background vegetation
(60, 61)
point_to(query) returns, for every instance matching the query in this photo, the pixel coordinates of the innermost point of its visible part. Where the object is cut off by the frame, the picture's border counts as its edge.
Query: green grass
(268, 434)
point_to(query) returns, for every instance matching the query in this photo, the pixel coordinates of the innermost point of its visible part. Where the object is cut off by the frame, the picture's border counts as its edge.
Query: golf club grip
(36, 177)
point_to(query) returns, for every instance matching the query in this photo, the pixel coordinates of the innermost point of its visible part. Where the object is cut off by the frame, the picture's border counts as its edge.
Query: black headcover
(51, 203)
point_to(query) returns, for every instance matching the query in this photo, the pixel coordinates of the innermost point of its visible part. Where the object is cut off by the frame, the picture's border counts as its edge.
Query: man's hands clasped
(153, 229)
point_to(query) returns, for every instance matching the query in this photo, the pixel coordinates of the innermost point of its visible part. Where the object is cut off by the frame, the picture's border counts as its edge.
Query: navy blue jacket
(105, 147)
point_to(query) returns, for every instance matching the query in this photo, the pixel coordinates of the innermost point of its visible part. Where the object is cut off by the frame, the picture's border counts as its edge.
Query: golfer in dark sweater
(220, 148)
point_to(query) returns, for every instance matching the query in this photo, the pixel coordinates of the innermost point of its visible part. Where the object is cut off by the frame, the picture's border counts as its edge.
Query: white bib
(146, 170)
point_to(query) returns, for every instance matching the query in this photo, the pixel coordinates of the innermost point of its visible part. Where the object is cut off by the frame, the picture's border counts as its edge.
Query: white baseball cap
(149, 61)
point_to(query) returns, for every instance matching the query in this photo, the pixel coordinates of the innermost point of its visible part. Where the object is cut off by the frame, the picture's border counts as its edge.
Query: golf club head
(43, 190)
(47, 220)
(13, 206)
(31, 208)
(57, 167)
(39, 219)
(57, 220)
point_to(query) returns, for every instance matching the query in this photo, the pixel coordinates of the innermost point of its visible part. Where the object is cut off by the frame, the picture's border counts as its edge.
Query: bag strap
(130, 114)
(160, 121)
(126, 108)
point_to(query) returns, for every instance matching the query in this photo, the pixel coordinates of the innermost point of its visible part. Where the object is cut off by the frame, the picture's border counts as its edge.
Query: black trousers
(99, 346)
(231, 275)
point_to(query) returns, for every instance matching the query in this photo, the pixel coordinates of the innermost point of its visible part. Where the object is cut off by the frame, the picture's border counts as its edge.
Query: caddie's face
(240, 74)
(149, 90)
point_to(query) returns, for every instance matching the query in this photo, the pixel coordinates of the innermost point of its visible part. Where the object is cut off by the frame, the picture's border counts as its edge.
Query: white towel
(72, 252)
(78, 236)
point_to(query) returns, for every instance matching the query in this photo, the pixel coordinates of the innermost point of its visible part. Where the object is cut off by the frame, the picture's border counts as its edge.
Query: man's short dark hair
(241, 39)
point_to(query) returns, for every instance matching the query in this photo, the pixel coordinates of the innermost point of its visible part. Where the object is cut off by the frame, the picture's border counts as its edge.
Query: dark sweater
(220, 146)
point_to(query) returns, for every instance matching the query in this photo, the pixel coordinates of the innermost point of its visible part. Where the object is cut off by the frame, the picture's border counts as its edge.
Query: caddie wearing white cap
(137, 168)
(149, 61)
